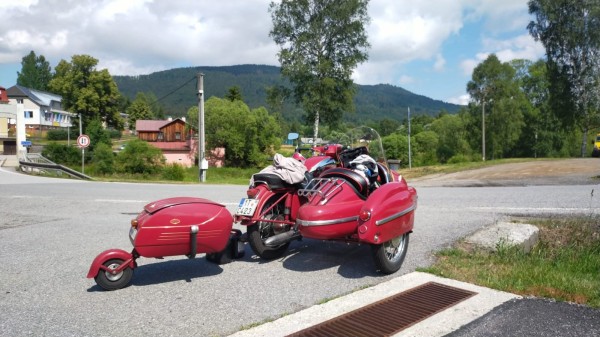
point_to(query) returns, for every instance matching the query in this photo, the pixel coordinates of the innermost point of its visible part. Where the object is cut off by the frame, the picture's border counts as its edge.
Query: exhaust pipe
(282, 238)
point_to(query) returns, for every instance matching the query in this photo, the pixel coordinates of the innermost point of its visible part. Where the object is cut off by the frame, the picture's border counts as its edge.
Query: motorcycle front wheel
(261, 230)
(390, 255)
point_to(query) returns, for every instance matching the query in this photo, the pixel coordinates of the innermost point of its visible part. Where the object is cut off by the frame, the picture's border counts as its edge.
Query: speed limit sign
(83, 141)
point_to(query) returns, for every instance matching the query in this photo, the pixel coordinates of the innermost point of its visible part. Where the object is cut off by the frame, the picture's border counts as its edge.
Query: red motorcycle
(345, 197)
(340, 196)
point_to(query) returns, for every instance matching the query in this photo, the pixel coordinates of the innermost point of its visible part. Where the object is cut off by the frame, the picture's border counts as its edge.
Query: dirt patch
(577, 171)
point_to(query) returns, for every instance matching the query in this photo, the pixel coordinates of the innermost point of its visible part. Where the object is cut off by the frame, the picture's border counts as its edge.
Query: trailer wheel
(261, 230)
(108, 281)
(390, 255)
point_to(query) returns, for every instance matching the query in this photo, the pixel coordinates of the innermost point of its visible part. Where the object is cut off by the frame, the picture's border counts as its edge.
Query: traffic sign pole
(83, 141)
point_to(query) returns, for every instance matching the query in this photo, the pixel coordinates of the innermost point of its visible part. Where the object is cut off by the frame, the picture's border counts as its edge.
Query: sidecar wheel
(390, 255)
(108, 281)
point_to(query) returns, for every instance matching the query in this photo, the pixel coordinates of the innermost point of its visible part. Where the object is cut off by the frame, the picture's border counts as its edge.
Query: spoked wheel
(109, 281)
(261, 230)
(389, 255)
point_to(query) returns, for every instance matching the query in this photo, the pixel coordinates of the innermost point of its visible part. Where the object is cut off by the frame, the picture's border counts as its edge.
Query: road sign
(83, 141)
(26, 143)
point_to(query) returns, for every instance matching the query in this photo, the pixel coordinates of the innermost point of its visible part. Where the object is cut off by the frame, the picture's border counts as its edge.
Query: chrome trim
(396, 216)
(325, 222)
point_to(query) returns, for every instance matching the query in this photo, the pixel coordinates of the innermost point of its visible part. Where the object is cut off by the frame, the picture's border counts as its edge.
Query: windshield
(362, 136)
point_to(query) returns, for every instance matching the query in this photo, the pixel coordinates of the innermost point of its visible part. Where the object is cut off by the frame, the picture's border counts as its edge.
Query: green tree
(234, 94)
(395, 146)
(570, 32)
(495, 88)
(387, 126)
(543, 134)
(321, 42)
(35, 72)
(248, 136)
(424, 146)
(452, 137)
(98, 135)
(139, 110)
(87, 91)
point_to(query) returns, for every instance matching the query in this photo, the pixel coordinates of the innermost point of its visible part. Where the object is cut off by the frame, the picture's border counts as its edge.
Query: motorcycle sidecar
(169, 227)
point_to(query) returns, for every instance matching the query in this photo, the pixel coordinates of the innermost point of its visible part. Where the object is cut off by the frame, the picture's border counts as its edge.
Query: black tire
(108, 281)
(390, 255)
(261, 230)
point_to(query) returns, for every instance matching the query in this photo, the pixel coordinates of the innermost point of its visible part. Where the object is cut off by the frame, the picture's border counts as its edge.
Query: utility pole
(483, 130)
(202, 162)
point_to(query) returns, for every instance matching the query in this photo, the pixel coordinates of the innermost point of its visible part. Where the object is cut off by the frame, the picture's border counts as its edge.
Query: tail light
(252, 193)
(364, 215)
(134, 223)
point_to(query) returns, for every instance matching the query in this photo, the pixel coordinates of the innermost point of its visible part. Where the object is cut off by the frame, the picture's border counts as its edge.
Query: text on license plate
(247, 207)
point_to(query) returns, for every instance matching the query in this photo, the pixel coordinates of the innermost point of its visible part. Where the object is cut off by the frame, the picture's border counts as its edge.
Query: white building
(42, 110)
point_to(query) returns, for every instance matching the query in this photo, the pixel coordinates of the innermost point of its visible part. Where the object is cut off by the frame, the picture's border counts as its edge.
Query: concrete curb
(437, 325)
(505, 233)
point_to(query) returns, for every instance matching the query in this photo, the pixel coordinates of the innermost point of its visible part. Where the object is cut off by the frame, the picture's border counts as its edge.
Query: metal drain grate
(390, 315)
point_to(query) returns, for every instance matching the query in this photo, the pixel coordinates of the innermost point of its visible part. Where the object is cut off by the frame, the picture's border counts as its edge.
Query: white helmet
(365, 165)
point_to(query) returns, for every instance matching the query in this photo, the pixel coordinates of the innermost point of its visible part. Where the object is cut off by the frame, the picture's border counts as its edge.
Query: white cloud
(405, 79)
(440, 62)
(468, 65)
(141, 36)
(460, 100)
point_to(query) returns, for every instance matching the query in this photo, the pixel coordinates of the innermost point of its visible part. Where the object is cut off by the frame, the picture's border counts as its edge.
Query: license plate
(247, 207)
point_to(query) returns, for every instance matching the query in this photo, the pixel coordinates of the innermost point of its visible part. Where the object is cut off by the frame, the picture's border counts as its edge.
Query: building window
(28, 114)
(178, 135)
(19, 101)
(161, 136)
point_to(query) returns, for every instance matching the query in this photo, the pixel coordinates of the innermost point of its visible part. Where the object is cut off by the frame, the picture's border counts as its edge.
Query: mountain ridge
(176, 90)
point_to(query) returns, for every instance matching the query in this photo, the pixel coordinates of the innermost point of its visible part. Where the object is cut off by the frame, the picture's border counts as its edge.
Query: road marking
(537, 209)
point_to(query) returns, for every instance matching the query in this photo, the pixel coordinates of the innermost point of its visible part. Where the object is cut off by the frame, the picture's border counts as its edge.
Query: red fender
(392, 213)
(264, 195)
(109, 255)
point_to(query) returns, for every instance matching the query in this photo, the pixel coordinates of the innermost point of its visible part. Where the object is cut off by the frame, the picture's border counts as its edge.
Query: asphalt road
(51, 230)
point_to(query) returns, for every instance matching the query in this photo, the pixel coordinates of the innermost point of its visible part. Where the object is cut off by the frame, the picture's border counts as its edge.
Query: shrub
(104, 159)
(173, 172)
(62, 154)
(459, 158)
(139, 157)
(62, 134)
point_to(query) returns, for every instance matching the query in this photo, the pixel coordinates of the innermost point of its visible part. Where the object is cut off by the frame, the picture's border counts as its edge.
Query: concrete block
(506, 233)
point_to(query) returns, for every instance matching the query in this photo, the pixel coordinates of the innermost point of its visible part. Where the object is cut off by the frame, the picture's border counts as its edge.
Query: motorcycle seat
(272, 180)
(358, 182)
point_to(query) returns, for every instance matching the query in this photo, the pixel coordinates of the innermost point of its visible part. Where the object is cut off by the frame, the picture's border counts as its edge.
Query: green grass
(564, 265)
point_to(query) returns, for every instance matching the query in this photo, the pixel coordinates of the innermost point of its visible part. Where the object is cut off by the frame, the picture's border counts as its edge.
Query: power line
(172, 92)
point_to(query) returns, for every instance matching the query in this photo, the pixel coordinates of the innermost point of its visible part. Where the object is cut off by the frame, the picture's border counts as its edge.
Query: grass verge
(564, 265)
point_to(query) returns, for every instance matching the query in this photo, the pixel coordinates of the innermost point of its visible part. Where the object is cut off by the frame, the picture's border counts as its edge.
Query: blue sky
(427, 47)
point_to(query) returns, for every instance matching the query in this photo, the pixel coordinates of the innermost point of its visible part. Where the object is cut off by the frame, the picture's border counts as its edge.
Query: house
(170, 137)
(177, 145)
(42, 110)
(8, 115)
